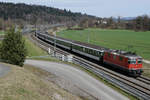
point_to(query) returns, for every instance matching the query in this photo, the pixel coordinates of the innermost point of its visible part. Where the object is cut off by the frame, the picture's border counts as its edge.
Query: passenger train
(125, 61)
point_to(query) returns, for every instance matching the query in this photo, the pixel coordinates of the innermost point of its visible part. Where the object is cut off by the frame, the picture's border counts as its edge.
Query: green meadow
(128, 40)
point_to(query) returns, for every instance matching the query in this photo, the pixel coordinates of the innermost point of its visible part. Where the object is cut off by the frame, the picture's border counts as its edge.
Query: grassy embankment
(32, 49)
(29, 83)
(34, 52)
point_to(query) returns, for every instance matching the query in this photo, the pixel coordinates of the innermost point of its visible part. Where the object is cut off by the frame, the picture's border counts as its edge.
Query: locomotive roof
(124, 53)
(117, 52)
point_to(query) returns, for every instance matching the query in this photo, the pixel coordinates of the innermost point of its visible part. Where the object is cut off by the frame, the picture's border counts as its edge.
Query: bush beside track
(32, 49)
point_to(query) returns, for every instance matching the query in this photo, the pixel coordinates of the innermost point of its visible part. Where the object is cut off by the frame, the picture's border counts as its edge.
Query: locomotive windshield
(132, 61)
(139, 61)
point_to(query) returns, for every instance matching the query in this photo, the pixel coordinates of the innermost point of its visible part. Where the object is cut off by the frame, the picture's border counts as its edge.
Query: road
(80, 79)
(4, 70)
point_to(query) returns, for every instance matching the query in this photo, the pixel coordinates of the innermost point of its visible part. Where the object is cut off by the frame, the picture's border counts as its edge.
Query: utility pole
(3, 23)
(15, 20)
(55, 28)
(88, 38)
(55, 45)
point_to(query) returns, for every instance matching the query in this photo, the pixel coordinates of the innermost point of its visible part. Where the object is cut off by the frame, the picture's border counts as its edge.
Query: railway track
(144, 79)
(138, 87)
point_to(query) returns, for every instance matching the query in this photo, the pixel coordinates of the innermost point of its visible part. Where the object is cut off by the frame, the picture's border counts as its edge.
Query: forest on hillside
(35, 14)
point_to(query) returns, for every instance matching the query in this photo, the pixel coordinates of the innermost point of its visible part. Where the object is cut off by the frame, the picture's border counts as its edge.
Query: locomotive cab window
(139, 61)
(129, 61)
(132, 61)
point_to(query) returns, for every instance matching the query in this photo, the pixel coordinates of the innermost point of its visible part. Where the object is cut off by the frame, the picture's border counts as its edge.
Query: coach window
(114, 57)
(121, 58)
(97, 53)
(109, 55)
(86, 50)
(90, 51)
(94, 53)
(83, 49)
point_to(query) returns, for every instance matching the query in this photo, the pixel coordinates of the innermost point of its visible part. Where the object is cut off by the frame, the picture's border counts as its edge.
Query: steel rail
(144, 79)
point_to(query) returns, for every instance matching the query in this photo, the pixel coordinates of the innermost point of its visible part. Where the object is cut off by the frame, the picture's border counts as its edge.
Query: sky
(100, 8)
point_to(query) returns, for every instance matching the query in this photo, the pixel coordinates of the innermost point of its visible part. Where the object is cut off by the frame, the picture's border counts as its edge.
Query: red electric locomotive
(126, 61)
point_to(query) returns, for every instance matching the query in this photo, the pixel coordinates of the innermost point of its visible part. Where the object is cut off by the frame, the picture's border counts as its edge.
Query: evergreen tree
(138, 23)
(13, 49)
(146, 23)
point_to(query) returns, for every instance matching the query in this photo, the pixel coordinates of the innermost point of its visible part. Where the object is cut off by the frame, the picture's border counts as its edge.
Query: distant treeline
(140, 23)
(23, 14)
(35, 14)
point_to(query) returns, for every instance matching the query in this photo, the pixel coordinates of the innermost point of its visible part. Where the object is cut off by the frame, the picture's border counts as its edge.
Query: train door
(101, 55)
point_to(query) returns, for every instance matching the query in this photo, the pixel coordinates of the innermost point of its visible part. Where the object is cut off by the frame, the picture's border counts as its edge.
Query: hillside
(38, 14)
(29, 83)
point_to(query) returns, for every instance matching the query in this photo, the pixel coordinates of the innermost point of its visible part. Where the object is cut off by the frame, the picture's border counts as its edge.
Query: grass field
(138, 42)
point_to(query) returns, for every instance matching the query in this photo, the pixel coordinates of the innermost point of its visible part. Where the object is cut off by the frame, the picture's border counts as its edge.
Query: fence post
(49, 51)
(69, 58)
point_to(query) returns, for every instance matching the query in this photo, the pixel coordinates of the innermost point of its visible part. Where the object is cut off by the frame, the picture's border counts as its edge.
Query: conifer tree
(13, 49)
